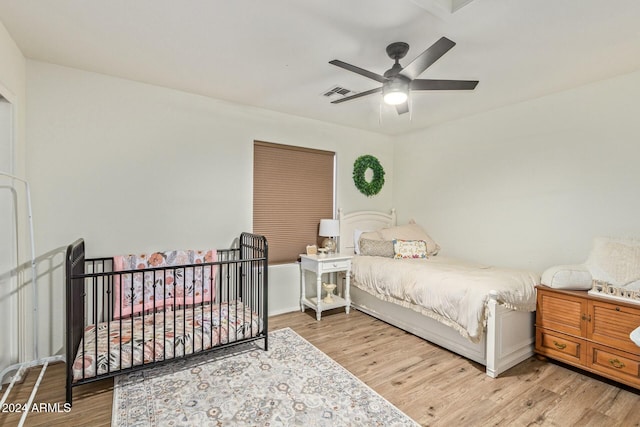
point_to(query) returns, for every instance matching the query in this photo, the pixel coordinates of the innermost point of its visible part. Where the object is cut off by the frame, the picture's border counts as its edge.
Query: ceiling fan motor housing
(397, 50)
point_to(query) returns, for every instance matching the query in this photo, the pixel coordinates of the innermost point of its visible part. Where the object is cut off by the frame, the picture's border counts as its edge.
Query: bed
(496, 327)
(126, 313)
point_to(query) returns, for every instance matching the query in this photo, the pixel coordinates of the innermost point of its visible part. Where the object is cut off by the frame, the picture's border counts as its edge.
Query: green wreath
(360, 166)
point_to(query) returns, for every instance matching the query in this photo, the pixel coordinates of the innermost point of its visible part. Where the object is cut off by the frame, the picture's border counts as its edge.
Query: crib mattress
(125, 343)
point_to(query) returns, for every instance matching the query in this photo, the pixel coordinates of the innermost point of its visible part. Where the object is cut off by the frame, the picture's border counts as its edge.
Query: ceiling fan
(398, 81)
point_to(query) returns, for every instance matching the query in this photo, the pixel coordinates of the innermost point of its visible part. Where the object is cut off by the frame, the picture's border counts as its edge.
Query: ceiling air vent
(337, 90)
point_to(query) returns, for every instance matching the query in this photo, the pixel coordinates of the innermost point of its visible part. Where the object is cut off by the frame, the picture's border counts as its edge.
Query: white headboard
(361, 220)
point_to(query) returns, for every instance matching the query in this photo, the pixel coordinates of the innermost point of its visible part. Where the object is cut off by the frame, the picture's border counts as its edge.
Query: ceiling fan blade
(402, 108)
(358, 70)
(427, 58)
(357, 95)
(429, 84)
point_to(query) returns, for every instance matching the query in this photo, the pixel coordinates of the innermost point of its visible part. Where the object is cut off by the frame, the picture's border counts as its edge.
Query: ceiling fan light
(395, 97)
(395, 91)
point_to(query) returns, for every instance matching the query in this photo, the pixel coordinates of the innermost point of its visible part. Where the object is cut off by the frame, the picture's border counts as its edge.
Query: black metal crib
(101, 343)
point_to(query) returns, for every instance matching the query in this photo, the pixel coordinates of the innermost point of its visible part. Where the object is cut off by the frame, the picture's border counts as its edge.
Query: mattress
(451, 291)
(129, 342)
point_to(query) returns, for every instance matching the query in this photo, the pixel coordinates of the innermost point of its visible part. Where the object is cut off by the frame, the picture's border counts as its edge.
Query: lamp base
(329, 244)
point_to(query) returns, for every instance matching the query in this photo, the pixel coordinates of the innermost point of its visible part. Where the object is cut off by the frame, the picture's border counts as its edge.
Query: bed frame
(509, 336)
(239, 277)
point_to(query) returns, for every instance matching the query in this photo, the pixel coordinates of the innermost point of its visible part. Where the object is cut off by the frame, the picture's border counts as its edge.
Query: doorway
(8, 238)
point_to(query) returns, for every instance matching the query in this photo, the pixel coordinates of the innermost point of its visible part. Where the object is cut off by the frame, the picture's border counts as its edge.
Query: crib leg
(69, 395)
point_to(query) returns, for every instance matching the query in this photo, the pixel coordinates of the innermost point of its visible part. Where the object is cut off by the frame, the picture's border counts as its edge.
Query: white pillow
(615, 260)
(567, 277)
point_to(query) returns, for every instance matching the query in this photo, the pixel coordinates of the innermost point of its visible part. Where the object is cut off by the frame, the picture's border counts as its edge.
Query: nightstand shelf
(320, 265)
(337, 303)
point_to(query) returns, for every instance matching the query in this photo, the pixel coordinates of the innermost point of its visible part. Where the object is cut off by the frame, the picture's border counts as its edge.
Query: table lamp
(329, 228)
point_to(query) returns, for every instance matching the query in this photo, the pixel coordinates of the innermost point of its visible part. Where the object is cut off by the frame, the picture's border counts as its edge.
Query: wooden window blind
(293, 188)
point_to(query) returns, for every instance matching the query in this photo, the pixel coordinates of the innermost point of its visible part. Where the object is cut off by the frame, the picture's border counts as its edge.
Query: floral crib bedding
(129, 342)
(186, 280)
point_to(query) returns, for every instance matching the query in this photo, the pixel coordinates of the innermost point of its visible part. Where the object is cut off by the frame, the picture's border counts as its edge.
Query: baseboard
(284, 310)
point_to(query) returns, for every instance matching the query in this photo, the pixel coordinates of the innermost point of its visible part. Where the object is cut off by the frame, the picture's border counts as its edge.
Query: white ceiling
(274, 54)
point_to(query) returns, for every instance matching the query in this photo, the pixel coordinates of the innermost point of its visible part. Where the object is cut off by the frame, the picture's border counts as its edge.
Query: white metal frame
(21, 367)
(509, 336)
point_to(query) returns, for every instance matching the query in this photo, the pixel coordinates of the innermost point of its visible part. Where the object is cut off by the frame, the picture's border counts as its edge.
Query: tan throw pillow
(371, 235)
(376, 248)
(411, 231)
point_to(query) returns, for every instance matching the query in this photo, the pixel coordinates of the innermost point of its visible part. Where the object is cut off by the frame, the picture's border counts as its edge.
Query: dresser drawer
(561, 312)
(610, 324)
(559, 346)
(329, 266)
(614, 364)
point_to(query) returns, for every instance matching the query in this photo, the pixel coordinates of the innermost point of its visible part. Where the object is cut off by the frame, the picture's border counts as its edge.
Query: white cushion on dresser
(635, 336)
(615, 260)
(567, 277)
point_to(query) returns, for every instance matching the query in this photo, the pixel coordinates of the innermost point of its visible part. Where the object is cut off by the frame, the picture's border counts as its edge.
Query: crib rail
(227, 306)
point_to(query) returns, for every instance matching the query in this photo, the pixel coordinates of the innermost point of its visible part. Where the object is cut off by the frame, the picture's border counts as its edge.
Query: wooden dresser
(589, 332)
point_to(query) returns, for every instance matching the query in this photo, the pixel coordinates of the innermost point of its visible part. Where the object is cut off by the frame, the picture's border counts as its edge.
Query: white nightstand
(319, 265)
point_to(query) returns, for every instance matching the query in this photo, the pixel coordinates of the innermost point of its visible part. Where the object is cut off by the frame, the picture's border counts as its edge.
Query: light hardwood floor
(432, 385)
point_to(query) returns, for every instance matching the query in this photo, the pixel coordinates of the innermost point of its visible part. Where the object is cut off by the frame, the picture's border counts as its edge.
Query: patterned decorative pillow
(376, 248)
(409, 248)
(152, 290)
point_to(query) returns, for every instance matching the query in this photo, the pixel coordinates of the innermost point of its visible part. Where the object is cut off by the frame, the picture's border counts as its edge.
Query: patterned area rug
(293, 383)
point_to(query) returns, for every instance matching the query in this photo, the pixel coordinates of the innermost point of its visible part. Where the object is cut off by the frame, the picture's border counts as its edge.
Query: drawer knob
(616, 363)
(559, 346)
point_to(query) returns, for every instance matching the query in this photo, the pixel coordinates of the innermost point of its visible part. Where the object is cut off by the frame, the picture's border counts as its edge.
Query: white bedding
(451, 291)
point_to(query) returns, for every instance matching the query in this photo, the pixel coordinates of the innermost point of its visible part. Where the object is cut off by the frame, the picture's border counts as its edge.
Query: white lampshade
(329, 228)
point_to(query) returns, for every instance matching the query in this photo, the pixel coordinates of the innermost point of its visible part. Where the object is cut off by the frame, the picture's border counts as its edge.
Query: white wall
(132, 167)
(529, 185)
(12, 151)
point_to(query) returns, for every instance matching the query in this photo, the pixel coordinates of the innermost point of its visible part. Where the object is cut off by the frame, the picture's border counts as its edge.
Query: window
(293, 188)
